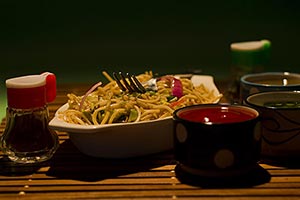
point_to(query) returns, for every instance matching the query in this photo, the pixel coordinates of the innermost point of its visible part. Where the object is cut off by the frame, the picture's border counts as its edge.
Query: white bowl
(124, 140)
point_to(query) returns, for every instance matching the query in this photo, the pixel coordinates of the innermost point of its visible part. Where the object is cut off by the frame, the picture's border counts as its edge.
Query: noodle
(108, 104)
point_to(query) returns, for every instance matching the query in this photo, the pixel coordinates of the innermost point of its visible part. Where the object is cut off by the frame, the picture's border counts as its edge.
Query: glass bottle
(246, 57)
(27, 137)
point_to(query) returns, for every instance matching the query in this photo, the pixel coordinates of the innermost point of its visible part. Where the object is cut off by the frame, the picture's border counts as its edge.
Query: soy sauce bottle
(27, 137)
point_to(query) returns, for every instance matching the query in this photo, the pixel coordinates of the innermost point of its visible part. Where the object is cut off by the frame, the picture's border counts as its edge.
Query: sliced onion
(87, 94)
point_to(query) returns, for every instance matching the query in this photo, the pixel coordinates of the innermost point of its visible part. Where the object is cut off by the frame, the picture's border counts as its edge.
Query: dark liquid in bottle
(27, 134)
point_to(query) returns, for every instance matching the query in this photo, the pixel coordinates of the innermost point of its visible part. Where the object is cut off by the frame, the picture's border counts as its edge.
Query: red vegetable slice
(177, 103)
(177, 90)
(175, 85)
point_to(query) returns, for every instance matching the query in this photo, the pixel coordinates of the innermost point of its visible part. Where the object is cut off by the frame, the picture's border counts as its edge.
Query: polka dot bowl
(217, 140)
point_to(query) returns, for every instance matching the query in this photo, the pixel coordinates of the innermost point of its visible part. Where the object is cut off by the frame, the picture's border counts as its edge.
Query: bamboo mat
(72, 175)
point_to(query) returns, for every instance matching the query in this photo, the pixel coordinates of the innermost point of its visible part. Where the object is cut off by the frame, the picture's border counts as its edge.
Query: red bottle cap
(31, 91)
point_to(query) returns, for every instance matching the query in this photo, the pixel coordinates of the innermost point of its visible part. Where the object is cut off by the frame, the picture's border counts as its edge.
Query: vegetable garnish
(177, 88)
(94, 87)
(175, 85)
(177, 103)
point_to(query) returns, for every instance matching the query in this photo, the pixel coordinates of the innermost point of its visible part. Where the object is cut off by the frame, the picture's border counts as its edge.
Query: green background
(77, 40)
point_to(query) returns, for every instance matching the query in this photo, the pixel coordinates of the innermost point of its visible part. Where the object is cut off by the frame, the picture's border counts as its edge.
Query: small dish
(125, 140)
(268, 81)
(280, 111)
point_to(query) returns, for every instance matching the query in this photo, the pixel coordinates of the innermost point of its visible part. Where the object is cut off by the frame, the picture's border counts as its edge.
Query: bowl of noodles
(109, 123)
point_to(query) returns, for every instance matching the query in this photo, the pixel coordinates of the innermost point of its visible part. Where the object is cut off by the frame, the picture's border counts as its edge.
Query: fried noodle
(107, 104)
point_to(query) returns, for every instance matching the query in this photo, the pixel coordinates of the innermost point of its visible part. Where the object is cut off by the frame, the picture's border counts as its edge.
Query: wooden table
(72, 175)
